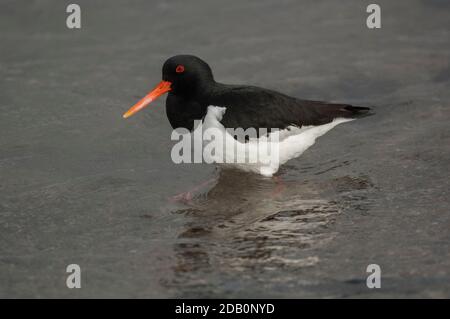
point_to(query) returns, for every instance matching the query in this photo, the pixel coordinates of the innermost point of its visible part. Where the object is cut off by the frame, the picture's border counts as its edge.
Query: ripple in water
(249, 226)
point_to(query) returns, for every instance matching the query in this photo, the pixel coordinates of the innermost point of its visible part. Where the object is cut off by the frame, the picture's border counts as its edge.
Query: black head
(188, 75)
(184, 75)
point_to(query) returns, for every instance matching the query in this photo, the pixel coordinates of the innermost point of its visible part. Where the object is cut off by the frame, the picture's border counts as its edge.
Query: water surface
(78, 184)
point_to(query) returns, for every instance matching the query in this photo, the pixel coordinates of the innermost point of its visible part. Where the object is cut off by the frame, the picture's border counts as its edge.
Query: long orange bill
(161, 88)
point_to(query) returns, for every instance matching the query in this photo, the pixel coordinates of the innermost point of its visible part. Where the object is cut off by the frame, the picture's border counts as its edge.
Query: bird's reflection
(250, 225)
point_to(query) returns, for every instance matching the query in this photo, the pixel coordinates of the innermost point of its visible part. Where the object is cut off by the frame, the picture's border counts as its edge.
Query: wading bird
(193, 94)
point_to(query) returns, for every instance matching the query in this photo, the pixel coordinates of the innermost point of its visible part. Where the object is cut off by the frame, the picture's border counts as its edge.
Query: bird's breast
(183, 112)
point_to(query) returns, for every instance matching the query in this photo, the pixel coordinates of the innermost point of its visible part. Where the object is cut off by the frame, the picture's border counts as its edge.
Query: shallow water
(81, 185)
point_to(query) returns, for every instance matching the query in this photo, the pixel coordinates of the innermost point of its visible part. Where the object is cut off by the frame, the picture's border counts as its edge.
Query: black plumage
(195, 89)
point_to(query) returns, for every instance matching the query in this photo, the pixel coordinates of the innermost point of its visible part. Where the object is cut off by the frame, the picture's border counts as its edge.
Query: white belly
(262, 155)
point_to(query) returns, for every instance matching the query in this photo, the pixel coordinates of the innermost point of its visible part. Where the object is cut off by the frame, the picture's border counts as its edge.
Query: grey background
(78, 184)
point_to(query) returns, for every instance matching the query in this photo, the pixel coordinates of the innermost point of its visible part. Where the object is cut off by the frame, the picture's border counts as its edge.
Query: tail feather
(325, 112)
(357, 111)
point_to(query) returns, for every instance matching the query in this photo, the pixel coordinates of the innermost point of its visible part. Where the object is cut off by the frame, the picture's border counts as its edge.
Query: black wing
(249, 106)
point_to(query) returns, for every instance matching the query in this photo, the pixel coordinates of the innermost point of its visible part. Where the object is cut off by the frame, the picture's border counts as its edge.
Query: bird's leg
(279, 185)
(189, 195)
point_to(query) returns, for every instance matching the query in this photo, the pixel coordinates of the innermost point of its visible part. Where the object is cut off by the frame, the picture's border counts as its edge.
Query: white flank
(269, 155)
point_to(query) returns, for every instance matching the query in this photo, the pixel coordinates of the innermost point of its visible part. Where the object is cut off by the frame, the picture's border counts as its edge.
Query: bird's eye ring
(180, 68)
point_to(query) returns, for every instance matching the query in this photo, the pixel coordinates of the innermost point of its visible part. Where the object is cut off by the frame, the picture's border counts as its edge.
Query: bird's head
(184, 75)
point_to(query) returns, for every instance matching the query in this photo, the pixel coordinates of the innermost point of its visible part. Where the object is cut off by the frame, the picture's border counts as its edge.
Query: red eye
(179, 69)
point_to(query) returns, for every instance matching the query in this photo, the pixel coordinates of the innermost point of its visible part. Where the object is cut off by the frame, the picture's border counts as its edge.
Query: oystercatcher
(194, 95)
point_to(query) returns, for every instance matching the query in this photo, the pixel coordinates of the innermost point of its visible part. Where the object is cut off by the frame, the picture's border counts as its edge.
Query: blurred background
(78, 184)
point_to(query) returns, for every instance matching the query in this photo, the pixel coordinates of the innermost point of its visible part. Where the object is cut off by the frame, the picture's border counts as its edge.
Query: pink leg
(279, 186)
(189, 195)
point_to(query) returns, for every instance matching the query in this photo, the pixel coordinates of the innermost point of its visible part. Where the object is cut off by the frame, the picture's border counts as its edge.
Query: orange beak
(160, 89)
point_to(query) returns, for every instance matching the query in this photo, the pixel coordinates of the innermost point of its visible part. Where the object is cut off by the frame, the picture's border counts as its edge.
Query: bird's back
(250, 106)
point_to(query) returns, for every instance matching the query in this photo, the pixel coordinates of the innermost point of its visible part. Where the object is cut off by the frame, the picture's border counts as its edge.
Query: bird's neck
(209, 90)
